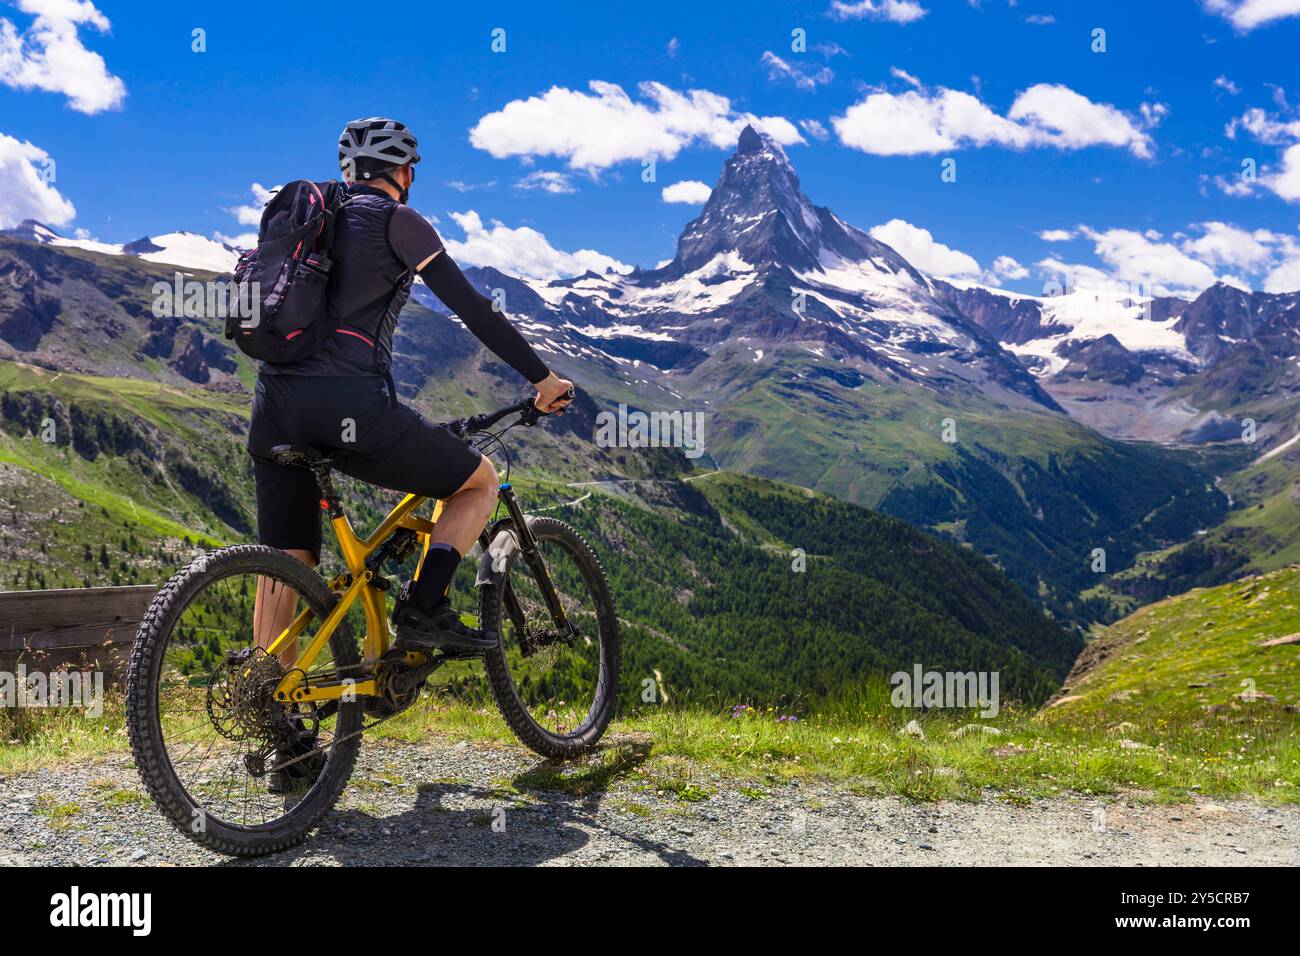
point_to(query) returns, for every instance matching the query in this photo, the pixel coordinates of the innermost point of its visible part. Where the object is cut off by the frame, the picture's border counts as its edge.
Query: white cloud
(915, 122)
(1056, 235)
(815, 129)
(251, 214)
(1225, 245)
(1061, 117)
(690, 191)
(803, 77)
(1005, 267)
(1040, 19)
(1284, 180)
(606, 126)
(1139, 258)
(1187, 262)
(1285, 274)
(548, 182)
(894, 11)
(1264, 126)
(49, 55)
(919, 247)
(901, 74)
(521, 251)
(1223, 83)
(1246, 15)
(673, 46)
(244, 240)
(25, 192)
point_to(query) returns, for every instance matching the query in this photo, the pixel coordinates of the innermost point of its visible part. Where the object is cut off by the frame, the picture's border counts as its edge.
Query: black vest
(368, 288)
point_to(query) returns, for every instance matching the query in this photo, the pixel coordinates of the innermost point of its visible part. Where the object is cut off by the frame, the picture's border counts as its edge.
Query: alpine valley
(1088, 444)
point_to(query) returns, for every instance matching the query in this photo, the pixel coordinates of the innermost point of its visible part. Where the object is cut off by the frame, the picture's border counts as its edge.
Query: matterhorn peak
(758, 211)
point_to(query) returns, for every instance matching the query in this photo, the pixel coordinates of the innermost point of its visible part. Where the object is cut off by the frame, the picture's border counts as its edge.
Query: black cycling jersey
(378, 245)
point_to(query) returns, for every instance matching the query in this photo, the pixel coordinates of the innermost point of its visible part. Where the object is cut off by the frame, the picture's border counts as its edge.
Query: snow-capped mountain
(1135, 366)
(763, 274)
(187, 250)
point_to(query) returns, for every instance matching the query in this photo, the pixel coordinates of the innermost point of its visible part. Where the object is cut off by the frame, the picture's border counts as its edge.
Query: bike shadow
(545, 812)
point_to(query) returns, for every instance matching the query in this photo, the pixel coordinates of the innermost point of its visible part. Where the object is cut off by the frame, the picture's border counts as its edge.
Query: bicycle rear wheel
(557, 694)
(204, 727)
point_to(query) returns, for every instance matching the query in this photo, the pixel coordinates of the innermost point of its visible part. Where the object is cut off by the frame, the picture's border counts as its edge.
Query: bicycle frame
(359, 582)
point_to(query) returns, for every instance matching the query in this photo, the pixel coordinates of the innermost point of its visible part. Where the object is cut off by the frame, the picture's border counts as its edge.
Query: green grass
(856, 744)
(1187, 660)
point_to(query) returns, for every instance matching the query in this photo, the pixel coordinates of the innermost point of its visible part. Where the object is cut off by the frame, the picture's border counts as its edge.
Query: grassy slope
(1187, 660)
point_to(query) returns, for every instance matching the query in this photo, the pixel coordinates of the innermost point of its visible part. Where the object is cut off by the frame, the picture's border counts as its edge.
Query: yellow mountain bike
(211, 714)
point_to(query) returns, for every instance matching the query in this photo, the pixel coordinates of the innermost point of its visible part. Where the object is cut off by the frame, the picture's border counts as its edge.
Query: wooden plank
(71, 617)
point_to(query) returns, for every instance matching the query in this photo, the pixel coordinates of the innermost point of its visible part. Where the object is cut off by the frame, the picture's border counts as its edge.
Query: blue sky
(1135, 152)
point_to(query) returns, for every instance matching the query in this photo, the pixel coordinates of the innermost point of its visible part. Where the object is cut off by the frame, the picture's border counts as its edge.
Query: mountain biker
(342, 400)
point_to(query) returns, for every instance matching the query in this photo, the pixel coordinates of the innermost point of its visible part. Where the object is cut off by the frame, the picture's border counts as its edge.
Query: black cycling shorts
(373, 438)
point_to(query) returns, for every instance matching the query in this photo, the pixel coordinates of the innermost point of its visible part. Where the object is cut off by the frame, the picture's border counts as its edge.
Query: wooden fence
(45, 630)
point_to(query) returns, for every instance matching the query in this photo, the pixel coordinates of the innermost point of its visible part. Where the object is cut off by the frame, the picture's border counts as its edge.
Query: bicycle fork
(533, 558)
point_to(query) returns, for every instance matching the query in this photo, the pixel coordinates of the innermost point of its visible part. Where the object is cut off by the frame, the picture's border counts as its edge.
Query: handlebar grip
(532, 412)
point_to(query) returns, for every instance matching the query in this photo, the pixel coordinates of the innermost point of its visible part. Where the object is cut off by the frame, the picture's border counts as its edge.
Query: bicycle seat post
(328, 499)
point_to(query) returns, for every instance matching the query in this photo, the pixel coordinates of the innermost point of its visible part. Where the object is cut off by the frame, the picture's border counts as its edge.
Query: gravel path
(462, 804)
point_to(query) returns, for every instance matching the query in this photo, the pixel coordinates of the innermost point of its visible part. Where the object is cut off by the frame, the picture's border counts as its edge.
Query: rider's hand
(552, 394)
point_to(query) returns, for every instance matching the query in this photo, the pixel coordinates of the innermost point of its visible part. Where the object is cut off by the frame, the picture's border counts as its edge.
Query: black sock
(430, 589)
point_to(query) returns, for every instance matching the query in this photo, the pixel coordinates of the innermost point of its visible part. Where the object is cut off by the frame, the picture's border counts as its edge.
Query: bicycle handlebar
(527, 411)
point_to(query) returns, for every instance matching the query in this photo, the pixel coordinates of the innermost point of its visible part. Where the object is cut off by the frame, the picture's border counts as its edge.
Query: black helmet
(374, 145)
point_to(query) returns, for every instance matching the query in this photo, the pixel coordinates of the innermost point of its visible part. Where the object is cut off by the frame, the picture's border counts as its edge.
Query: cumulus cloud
(548, 182)
(1145, 258)
(893, 11)
(1185, 263)
(1005, 267)
(250, 214)
(1246, 15)
(521, 251)
(802, 76)
(690, 191)
(933, 121)
(1056, 235)
(1225, 84)
(597, 129)
(919, 247)
(1272, 130)
(1284, 276)
(50, 56)
(26, 191)
(1224, 245)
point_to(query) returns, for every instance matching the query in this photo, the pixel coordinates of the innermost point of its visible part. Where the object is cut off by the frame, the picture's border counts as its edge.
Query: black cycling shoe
(439, 629)
(288, 773)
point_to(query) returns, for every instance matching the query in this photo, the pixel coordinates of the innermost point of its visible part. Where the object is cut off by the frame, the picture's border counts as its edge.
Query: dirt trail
(435, 804)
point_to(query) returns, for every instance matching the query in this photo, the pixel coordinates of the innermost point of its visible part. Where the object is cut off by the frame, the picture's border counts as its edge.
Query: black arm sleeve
(492, 328)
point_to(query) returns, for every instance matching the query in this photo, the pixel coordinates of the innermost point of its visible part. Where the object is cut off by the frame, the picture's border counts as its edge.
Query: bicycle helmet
(369, 148)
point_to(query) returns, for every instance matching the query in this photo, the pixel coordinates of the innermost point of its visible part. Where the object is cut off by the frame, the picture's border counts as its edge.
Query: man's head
(378, 151)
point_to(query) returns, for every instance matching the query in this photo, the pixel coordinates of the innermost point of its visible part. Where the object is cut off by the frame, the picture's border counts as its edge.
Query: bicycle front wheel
(234, 769)
(556, 687)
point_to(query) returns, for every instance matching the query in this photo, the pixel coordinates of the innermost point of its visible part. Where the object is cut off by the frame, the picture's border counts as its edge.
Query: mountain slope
(1218, 656)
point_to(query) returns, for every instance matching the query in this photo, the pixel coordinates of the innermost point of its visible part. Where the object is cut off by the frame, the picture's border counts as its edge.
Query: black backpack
(282, 282)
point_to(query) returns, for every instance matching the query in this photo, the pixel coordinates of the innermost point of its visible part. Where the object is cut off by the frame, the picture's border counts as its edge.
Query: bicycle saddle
(301, 456)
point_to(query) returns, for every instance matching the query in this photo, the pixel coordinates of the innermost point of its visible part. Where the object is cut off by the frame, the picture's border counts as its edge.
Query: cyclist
(342, 400)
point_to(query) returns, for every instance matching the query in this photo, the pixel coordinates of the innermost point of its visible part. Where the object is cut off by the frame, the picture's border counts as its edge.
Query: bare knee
(484, 477)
